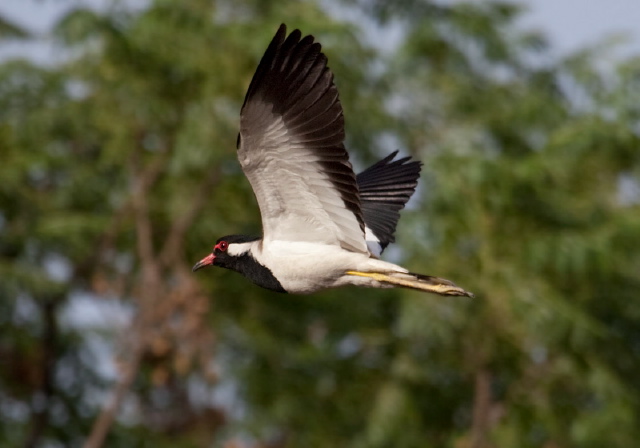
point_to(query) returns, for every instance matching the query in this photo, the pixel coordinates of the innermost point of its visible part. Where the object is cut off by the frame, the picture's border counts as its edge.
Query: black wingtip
(280, 34)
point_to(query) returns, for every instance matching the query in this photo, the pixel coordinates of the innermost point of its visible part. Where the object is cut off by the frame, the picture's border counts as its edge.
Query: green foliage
(118, 172)
(10, 30)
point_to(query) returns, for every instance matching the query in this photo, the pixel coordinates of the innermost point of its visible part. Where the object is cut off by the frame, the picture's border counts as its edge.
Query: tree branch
(143, 179)
(49, 340)
(175, 240)
(103, 423)
(481, 409)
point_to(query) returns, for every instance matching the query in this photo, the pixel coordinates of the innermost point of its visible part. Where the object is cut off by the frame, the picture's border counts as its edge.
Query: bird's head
(227, 252)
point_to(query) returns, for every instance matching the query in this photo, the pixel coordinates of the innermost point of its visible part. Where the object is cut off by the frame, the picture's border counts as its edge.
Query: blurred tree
(110, 144)
(119, 171)
(9, 30)
(524, 159)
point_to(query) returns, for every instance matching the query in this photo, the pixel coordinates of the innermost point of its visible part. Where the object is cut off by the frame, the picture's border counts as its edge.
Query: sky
(568, 24)
(573, 24)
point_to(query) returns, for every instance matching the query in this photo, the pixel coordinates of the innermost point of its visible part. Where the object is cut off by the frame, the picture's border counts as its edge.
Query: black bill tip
(206, 261)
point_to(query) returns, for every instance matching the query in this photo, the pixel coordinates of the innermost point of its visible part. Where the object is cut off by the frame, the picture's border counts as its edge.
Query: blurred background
(118, 124)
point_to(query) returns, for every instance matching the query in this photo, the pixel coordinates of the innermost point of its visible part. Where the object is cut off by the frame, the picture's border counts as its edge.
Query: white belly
(303, 268)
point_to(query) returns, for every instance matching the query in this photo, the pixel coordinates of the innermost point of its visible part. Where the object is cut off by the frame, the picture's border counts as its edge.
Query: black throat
(250, 268)
(257, 273)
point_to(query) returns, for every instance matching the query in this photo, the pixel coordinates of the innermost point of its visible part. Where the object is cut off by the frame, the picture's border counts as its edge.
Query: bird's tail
(420, 282)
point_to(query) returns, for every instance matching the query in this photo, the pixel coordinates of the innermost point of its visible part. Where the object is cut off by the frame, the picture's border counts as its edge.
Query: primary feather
(291, 148)
(385, 188)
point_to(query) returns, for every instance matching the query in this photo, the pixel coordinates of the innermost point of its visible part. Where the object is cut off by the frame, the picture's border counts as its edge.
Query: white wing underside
(291, 148)
(297, 200)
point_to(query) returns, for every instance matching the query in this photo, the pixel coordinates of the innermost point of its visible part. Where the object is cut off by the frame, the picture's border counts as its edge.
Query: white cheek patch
(237, 249)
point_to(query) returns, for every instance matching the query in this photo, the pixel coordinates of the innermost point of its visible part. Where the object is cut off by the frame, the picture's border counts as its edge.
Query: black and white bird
(323, 226)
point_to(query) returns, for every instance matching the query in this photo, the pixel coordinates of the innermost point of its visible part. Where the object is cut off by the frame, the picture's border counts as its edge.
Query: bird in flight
(323, 226)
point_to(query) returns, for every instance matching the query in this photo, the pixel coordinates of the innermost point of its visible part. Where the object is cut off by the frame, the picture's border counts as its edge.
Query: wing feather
(291, 148)
(385, 187)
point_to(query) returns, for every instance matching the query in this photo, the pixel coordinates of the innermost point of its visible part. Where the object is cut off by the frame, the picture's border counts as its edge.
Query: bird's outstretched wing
(291, 148)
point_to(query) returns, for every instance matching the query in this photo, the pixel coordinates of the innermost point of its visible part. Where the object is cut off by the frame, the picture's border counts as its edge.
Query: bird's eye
(222, 245)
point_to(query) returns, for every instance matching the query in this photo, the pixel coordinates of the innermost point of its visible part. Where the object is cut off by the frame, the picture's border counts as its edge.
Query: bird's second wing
(385, 188)
(291, 148)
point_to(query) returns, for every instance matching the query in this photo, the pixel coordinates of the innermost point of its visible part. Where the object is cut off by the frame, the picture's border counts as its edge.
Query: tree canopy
(119, 172)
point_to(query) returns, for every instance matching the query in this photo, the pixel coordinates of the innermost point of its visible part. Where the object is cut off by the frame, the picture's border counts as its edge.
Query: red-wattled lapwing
(323, 226)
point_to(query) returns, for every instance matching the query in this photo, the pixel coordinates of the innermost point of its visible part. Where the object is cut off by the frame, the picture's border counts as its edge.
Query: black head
(234, 252)
(227, 251)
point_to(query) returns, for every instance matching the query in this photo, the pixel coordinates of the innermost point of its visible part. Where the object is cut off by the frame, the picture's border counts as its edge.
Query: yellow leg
(415, 283)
